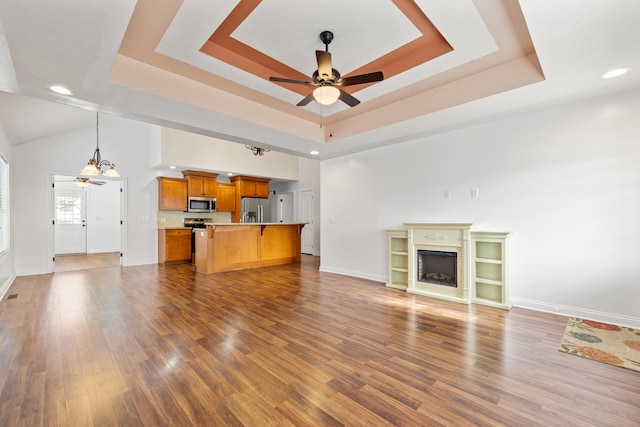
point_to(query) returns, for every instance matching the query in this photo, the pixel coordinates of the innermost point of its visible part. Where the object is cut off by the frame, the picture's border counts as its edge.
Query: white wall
(7, 270)
(129, 144)
(565, 181)
(309, 179)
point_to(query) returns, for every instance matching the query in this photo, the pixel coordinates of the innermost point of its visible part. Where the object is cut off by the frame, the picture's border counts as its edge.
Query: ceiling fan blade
(284, 80)
(98, 182)
(362, 78)
(307, 99)
(325, 69)
(348, 99)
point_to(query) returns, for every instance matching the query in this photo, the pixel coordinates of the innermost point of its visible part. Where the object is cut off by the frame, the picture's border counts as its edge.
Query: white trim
(632, 322)
(351, 273)
(50, 234)
(5, 286)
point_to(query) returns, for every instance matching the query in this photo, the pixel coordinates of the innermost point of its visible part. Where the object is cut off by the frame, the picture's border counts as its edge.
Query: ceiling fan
(83, 182)
(327, 80)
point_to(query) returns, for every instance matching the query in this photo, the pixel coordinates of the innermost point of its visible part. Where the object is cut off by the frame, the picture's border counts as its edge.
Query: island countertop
(238, 246)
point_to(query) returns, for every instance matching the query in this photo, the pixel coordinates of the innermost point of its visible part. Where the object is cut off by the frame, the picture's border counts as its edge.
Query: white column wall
(565, 181)
(309, 179)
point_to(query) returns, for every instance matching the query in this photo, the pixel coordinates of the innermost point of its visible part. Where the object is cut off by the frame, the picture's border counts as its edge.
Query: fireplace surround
(447, 247)
(469, 265)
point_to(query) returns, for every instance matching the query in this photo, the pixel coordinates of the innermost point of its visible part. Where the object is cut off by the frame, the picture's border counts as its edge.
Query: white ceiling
(141, 59)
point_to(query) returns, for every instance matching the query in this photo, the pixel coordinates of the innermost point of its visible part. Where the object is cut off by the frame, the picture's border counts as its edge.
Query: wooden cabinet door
(247, 188)
(195, 186)
(261, 189)
(178, 245)
(209, 187)
(226, 199)
(174, 245)
(172, 194)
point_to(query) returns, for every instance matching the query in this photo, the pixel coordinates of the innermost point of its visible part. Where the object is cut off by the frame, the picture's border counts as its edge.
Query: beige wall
(192, 151)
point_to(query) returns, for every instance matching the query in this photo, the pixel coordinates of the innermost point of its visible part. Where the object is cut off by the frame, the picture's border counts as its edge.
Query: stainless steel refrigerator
(255, 210)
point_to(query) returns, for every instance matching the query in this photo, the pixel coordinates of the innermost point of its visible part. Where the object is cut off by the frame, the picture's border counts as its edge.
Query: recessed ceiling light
(314, 153)
(614, 73)
(60, 89)
(172, 167)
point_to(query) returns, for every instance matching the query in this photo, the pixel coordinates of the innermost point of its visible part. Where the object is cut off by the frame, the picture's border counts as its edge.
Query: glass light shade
(326, 95)
(83, 183)
(90, 169)
(111, 172)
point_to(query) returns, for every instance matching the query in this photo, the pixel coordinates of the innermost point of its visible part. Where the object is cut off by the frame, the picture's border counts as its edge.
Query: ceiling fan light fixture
(83, 182)
(326, 95)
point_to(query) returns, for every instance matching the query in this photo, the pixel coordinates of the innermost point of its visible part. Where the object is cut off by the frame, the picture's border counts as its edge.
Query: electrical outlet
(446, 194)
(162, 219)
(474, 193)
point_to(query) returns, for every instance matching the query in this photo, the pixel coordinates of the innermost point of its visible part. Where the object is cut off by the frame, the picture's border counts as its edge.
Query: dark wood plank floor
(285, 346)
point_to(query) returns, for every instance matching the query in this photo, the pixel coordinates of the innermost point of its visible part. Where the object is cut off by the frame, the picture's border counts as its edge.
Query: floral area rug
(612, 344)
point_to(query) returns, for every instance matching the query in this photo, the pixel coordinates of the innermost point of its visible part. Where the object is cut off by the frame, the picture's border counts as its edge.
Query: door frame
(313, 215)
(51, 215)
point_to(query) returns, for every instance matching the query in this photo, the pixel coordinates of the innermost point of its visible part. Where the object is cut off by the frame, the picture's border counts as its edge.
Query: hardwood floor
(74, 262)
(287, 346)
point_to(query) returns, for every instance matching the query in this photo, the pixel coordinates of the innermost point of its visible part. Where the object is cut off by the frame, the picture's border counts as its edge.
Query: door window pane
(69, 210)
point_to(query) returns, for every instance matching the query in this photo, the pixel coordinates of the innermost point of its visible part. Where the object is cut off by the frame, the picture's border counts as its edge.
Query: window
(5, 231)
(69, 210)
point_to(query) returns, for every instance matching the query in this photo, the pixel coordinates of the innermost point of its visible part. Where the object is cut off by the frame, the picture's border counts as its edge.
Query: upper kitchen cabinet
(249, 186)
(226, 197)
(172, 194)
(201, 184)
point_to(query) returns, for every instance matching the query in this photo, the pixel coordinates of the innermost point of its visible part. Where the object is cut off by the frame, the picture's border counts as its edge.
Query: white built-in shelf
(489, 274)
(398, 259)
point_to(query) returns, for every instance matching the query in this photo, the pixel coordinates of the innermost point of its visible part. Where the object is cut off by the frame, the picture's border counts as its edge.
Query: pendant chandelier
(95, 164)
(257, 151)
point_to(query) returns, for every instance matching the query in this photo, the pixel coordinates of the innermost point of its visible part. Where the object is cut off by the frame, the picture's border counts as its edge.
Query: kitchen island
(234, 246)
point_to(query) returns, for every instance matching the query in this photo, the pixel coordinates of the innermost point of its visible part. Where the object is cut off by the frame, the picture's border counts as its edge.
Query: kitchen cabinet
(174, 245)
(229, 247)
(489, 269)
(249, 186)
(172, 194)
(226, 197)
(201, 184)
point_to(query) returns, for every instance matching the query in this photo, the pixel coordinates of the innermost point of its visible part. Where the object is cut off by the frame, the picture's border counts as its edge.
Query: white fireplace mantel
(448, 237)
(481, 262)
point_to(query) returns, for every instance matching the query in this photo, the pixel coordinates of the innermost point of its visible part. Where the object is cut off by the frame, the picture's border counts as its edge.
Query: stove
(195, 222)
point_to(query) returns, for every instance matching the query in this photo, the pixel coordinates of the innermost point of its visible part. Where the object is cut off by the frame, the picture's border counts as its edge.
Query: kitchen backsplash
(175, 219)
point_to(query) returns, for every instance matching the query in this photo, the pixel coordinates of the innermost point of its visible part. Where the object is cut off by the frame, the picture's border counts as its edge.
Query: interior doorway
(87, 223)
(284, 207)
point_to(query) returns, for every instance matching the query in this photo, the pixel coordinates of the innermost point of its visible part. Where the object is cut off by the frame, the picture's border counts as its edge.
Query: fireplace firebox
(437, 267)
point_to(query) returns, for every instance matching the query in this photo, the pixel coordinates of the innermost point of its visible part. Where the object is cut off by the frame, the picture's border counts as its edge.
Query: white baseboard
(632, 322)
(359, 274)
(4, 288)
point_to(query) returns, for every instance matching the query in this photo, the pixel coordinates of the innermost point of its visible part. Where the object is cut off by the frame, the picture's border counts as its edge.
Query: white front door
(306, 215)
(70, 221)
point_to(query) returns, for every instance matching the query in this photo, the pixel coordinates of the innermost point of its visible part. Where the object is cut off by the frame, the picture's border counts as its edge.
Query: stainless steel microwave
(201, 204)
